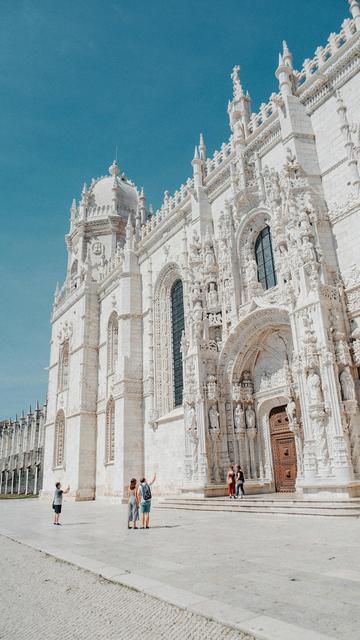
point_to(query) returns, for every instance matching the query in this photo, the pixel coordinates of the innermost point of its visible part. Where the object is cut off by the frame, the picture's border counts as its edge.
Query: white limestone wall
(274, 158)
(105, 471)
(67, 400)
(164, 453)
(336, 174)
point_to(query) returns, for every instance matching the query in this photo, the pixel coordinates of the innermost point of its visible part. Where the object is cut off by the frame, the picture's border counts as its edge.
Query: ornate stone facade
(264, 239)
(22, 453)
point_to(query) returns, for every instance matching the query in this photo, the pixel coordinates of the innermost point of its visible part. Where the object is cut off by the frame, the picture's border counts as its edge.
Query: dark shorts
(57, 508)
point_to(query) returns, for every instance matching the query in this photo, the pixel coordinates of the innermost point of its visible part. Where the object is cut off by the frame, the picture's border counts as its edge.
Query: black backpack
(146, 491)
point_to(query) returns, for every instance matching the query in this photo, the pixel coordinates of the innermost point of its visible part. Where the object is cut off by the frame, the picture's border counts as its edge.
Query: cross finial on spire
(238, 90)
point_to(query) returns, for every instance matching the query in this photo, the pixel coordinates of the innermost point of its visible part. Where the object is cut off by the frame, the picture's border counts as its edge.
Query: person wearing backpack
(145, 501)
(240, 479)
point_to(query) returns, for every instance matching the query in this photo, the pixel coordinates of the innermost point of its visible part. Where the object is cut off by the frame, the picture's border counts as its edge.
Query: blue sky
(79, 77)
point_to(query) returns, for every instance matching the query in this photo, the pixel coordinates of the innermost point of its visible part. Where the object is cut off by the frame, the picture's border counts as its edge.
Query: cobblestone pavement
(274, 577)
(43, 598)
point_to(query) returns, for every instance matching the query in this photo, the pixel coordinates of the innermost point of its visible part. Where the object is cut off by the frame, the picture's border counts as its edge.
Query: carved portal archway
(255, 376)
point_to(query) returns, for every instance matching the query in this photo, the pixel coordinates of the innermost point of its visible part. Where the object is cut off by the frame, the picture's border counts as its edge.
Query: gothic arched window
(177, 320)
(110, 432)
(59, 443)
(265, 259)
(112, 343)
(63, 380)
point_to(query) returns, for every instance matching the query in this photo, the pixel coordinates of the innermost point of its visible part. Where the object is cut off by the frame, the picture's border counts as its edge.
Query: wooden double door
(283, 450)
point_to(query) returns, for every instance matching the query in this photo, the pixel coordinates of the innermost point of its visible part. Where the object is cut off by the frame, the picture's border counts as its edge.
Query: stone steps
(268, 506)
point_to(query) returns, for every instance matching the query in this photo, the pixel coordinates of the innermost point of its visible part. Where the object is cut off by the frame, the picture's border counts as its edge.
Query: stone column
(36, 480)
(27, 481)
(251, 433)
(19, 481)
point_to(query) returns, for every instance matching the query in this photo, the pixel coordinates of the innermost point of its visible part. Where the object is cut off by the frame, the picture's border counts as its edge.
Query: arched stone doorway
(256, 373)
(283, 450)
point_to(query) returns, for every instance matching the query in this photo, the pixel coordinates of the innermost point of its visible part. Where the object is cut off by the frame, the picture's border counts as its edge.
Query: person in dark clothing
(239, 479)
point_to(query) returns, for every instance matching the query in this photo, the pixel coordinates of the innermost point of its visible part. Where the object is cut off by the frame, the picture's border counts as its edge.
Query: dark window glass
(177, 316)
(265, 259)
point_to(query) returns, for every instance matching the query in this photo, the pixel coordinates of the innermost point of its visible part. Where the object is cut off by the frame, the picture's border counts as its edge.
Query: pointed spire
(73, 209)
(84, 189)
(202, 147)
(239, 108)
(287, 55)
(283, 73)
(237, 88)
(196, 164)
(142, 206)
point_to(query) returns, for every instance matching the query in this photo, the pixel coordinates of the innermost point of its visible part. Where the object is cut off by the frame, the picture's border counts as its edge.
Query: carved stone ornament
(65, 331)
(314, 388)
(153, 418)
(212, 389)
(97, 248)
(347, 384)
(214, 425)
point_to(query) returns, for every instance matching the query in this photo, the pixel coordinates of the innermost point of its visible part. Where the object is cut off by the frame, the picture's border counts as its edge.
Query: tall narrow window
(63, 379)
(59, 439)
(265, 259)
(112, 343)
(110, 432)
(177, 318)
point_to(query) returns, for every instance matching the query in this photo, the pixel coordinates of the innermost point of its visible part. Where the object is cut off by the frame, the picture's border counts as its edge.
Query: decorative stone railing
(218, 158)
(323, 54)
(310, 67)
(265, 112)
(171, 204)
(113, 264)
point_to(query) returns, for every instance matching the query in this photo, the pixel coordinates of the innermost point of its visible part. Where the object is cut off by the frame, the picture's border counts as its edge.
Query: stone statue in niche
(195, 246)
(291, 412)
(214, 419)
(314, 388)
(198, 317)
(250, 417)
(209, 254)
(191, 423)
(308, 250)
(212, 295)
(251, 271)
(196, 294)
(239, 419)
(347, 385)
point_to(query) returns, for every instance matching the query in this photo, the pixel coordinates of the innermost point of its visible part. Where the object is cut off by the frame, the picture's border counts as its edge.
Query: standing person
(230, 481)
(240, 479)
(133, 504)
(144, 497)
(57, 501)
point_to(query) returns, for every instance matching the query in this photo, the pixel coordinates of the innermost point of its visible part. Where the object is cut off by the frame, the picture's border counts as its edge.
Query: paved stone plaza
(280, 577)
(57, 600)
